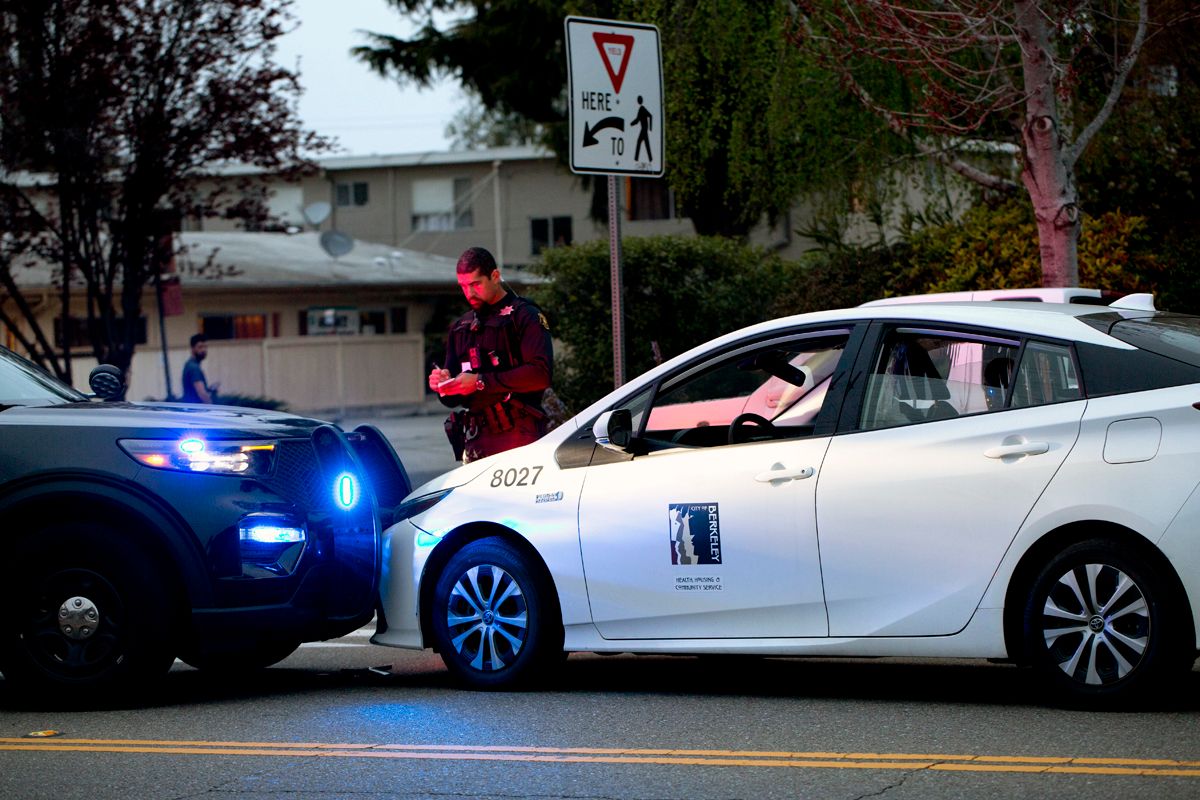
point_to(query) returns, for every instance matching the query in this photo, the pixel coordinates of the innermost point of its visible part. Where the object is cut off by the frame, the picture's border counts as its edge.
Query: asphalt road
(348, 719)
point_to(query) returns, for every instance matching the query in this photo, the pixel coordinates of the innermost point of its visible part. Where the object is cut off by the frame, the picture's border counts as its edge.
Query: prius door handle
(779, 473)
(1018, 449)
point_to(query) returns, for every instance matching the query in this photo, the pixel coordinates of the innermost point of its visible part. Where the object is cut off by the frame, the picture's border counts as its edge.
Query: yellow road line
(617, 755)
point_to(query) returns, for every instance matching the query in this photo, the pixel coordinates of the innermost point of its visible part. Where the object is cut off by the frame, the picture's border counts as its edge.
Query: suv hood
(165, 417)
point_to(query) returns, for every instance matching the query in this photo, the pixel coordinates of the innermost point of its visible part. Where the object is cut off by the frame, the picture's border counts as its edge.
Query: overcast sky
(343, 98)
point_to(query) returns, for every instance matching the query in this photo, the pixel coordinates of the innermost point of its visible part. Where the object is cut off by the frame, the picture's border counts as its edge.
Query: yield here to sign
(615, 78)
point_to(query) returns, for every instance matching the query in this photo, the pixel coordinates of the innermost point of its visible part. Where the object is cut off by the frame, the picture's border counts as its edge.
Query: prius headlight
(419, 505)
(196, 454)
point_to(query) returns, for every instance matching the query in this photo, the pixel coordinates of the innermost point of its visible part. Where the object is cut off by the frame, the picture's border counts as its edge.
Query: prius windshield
(23, 384)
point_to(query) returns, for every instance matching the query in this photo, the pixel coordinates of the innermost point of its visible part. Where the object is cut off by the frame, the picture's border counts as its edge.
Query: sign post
(615, 88)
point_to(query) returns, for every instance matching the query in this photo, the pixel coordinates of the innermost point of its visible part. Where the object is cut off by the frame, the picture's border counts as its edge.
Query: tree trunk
(1046, 171)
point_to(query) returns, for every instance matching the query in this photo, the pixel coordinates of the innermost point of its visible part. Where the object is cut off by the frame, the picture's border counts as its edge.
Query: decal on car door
(695, 533)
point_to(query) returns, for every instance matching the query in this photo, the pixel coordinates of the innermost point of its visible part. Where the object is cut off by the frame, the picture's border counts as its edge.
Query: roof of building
(335, 163)
(228, 259)
(231, 260)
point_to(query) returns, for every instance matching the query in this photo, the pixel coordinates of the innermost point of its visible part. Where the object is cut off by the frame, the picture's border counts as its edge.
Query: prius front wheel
(495, 621)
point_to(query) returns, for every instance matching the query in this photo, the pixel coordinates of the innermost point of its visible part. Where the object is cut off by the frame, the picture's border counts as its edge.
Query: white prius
(1006, 480)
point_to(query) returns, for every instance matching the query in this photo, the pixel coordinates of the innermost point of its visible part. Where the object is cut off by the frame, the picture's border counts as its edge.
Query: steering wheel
(741, 420)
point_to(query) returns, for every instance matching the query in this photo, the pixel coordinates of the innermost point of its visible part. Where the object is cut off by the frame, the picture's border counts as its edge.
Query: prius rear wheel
(1102, 625)
(495, 620)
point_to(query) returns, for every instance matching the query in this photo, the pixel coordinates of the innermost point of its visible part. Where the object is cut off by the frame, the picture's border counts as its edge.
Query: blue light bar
(270, 532)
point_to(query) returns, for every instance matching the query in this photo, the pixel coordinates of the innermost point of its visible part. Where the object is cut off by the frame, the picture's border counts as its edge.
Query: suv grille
(297, 474)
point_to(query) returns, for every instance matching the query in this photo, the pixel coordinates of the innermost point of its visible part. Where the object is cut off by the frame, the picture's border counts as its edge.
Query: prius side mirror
(614, 429)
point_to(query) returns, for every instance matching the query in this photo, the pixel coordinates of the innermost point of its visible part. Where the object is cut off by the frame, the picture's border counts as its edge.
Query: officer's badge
(504, 312)
(542, 319)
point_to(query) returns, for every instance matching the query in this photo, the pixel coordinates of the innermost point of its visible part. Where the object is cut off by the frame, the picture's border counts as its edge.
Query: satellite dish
(316, 213)
(336, 243)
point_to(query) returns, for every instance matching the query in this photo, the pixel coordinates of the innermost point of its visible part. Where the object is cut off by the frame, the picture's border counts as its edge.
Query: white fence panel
(306, 372)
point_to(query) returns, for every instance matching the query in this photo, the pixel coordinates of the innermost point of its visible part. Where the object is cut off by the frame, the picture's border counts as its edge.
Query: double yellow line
(1145, 767)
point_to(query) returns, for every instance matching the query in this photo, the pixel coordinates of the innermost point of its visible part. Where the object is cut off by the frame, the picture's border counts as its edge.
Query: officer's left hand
(463, 383)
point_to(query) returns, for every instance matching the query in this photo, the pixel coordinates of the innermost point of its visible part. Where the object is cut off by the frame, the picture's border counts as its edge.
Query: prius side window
(1047, 375)
(924, 376)
(775, 392)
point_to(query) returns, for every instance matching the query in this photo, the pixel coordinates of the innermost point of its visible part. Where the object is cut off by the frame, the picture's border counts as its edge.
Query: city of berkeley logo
(695, 533)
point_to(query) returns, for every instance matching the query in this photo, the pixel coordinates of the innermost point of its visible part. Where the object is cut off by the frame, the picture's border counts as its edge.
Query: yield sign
(615, 86)
(615, 49)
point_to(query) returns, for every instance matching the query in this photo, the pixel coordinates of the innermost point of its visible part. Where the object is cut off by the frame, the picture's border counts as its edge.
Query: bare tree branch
(1075, 150)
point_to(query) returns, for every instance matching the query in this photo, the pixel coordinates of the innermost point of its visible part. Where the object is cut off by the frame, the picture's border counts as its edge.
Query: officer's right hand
(437, 376)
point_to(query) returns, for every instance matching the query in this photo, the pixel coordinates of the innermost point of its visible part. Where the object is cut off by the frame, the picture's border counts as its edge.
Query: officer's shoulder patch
(542, 319)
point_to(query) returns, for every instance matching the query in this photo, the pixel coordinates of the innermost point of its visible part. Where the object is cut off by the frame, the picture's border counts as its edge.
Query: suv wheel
(85, 610)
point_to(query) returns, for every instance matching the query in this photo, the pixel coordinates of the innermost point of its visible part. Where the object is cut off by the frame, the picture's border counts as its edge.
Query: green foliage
(998, 249)
(679, 292)
(842, 278)
(751, 123)
(1147, 156)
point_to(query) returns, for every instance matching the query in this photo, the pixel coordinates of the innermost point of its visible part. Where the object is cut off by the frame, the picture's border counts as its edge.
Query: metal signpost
(615, 87)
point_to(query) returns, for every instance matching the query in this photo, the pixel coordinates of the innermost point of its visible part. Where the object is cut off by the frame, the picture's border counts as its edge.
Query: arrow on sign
(589, 134)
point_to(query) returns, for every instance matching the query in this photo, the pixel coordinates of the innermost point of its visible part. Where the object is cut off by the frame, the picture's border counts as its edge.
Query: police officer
(498, 364)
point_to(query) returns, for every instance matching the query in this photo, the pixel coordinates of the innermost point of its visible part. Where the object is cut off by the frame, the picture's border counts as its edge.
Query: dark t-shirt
(191, 374)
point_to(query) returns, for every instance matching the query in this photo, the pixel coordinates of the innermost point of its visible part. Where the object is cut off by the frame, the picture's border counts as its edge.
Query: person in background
(196, 388)
(498, 365)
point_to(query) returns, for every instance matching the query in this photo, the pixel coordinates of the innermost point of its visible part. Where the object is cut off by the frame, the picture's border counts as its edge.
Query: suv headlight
(194, 454)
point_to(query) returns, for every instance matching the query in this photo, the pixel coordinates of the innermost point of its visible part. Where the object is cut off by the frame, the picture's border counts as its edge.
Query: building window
(355, 193)
(1162, 80)
(234, 326)
(549, 232)
(650, 199)
(399, 316)
(78, 331)
(370, 322)
(442, 205)
(328, 321)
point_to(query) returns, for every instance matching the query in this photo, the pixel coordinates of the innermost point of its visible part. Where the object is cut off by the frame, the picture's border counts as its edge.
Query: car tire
(87, 614)
(1102, 627)
(260, 656)
(495, 621)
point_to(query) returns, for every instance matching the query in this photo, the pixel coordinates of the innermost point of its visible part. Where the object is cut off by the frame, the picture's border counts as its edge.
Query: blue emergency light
(345, 490)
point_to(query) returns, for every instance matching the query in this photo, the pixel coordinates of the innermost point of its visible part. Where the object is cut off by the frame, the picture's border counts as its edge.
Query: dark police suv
(131, 534)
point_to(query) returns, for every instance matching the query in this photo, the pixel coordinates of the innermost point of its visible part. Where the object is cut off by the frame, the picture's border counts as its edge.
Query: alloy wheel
(1096, 624)
(487, 617)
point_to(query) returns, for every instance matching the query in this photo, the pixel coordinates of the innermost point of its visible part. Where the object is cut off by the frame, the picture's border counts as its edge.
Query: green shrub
(679, 292)
(997, 248)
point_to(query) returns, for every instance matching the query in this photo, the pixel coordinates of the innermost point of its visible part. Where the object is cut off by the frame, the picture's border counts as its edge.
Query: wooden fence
(308, 373)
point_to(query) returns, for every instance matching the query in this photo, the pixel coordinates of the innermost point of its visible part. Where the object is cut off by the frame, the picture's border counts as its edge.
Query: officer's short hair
(476, 259)
(197, 338)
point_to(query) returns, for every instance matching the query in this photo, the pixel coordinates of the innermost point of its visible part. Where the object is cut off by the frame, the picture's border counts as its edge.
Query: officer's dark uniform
(507, 344)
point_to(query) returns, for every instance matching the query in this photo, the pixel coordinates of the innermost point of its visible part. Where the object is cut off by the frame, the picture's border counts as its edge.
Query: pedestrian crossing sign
(616, 97)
